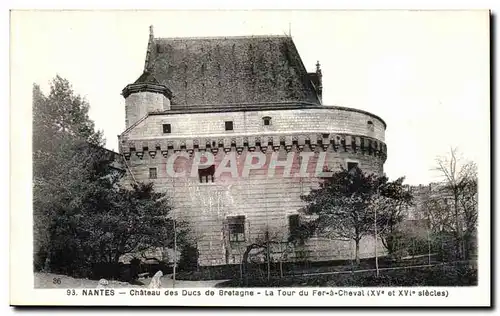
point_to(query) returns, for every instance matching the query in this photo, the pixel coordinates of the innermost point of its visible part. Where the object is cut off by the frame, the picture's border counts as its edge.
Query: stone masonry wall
(266, 202)
(329, 119)
(137, 105)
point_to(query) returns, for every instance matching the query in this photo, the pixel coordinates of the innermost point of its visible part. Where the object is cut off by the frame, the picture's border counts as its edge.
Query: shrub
(189, 258)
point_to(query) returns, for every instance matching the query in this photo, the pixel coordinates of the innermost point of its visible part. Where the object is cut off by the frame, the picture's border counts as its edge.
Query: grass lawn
(225, 272)
(426, 276)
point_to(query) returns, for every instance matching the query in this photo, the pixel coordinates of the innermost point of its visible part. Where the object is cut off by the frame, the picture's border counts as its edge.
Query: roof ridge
(221, 37)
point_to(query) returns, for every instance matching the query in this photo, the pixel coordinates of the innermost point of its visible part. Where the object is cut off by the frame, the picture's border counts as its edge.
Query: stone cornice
(146, 87)
(242, 107)
(298, 142)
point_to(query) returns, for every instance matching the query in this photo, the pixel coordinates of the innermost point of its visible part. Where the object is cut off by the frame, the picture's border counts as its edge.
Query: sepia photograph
(252, 153)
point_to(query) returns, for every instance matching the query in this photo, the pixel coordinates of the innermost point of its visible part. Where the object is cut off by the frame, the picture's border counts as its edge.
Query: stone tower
(233, 97)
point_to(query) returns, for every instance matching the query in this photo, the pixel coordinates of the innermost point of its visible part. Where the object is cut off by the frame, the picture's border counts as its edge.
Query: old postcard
(250, 158)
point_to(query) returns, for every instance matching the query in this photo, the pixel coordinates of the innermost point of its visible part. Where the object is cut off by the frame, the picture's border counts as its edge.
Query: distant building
(423, 210)
(241, 95)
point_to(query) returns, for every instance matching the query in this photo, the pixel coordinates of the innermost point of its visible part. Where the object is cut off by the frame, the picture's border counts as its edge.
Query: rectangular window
(206, 175)
(229, 125)
(167, 129)
(236, 226)
(267, 120)
(293, 223)
(351, 165)
(152, 173)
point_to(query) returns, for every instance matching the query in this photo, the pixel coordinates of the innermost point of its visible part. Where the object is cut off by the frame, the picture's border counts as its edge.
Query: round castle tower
(237, 96)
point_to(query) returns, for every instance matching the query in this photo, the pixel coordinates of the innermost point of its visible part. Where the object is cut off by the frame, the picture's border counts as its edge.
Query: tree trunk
(466, 246)
(245, 257)
(245, 260)
(46, 266)
(268, 256)
(357, 251)
(390, 244)
(459, 228)
(116, 259)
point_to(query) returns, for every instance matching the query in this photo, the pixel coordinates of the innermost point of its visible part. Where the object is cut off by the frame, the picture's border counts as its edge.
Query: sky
(426, 73)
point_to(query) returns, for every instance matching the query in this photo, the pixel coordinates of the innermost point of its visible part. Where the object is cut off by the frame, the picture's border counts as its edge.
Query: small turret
(316, 80)
(146, 94)
(143, 96)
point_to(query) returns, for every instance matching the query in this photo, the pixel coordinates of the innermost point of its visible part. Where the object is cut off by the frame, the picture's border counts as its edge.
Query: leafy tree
(391, 202)
(84, 173)
(61, 114)
(64, 150)
(345, 203)
(83, 213)
(189, 258)
(110, 223)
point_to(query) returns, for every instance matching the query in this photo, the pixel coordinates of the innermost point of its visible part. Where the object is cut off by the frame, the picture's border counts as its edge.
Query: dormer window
(266, 120)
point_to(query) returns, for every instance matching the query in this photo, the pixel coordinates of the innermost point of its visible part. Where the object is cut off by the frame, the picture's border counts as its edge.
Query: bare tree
(263, 246)
(460, 185)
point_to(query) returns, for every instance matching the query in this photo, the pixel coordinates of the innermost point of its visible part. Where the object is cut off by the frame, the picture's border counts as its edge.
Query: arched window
(266, 120)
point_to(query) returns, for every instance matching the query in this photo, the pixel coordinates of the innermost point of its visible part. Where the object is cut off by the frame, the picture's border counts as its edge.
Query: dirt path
(168, 282)
(57, 281)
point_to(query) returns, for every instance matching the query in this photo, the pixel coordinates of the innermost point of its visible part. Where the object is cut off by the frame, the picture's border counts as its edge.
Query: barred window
(152, 173)
(293, 223)
(236, 226)
(206, 175)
